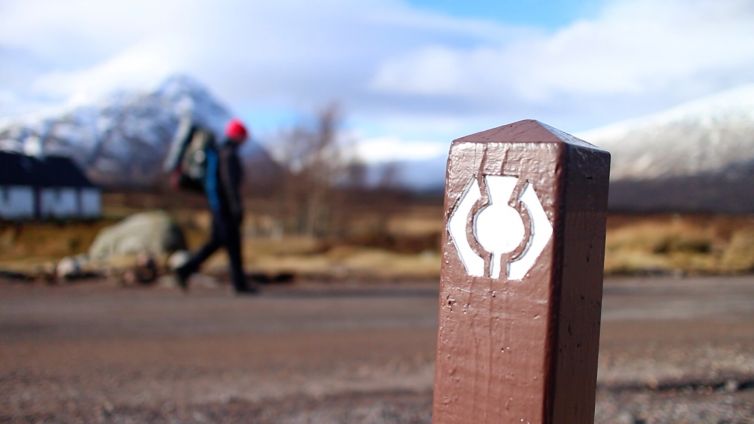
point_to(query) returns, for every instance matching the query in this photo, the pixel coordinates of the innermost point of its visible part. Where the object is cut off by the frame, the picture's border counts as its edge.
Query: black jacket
(223, 184)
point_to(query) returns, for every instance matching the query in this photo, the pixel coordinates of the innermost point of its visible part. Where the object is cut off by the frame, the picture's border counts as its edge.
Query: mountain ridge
(700, 136)
(697, 156)
(121, 139)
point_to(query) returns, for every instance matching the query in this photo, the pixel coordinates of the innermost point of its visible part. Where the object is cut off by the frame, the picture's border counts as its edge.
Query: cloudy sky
(411, 75)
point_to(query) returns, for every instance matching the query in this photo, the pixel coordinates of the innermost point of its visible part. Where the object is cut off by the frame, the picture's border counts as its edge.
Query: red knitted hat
(235, 130)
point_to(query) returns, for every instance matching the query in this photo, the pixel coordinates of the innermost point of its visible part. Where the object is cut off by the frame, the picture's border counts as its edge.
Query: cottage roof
(15, 169)
(61, 171)
(47, 171)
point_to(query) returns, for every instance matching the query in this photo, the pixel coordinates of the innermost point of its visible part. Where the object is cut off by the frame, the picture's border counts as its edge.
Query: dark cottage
(47, 187)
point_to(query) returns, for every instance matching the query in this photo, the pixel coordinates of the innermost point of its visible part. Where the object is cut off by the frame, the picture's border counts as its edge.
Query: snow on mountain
(698, 156)
(122, 138)
(710, 135)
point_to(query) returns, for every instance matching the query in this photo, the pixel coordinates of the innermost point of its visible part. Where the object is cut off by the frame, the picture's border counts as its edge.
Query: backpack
(187, 159)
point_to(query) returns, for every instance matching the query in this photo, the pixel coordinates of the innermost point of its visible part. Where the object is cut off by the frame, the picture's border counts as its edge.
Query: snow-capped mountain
(706, 135)
(122, 138)
(696, 156)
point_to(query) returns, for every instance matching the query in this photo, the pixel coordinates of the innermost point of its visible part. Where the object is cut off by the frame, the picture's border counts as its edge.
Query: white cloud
(138, 66)
(286, 52)
(635, 50)
(390, 149)
(386, 61)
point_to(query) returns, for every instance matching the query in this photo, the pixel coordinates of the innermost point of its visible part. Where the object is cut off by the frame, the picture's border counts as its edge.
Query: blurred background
(352, 107)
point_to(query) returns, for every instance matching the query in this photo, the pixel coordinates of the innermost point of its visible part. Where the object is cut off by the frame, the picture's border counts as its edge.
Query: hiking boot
(248, 290)
(181, 277)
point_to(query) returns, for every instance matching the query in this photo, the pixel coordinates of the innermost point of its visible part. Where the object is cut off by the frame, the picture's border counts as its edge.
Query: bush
(739, 254)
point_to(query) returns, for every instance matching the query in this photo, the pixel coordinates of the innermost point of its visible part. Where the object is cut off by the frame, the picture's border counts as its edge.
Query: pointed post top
(524, 131)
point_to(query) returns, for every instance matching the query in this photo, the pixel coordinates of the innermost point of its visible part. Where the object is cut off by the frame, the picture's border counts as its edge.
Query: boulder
(143, 271)
(74, 268)
(151, 233)
(68, 268)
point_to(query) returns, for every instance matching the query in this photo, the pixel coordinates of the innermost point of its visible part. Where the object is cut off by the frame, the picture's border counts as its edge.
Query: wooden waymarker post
(521, 284)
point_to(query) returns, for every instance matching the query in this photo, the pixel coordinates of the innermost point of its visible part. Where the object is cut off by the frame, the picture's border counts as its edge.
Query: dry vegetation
(407, 247)
(321, 218)
(400, 243)
(368, 246)
(690, 244)
(27, 246)
(404, 245)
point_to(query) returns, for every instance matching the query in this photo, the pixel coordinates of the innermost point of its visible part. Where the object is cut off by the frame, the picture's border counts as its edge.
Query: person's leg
(197, 259)
(235, 258)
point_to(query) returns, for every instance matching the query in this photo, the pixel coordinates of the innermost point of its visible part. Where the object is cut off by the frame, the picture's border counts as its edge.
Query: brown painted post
(521, 284)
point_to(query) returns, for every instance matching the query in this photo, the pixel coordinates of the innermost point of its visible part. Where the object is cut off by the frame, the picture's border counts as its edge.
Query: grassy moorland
(689, 244)
(399, 244)
(636, 244)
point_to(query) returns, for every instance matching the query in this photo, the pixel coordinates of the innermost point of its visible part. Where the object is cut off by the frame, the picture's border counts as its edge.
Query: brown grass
(405, 245)
(351, 262)
(691, 244)
(27, 245)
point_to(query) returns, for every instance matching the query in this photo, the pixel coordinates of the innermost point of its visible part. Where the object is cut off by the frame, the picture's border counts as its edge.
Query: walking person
(221, 185)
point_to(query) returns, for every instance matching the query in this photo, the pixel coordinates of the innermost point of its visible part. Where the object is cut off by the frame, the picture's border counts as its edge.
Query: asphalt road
(671, 351)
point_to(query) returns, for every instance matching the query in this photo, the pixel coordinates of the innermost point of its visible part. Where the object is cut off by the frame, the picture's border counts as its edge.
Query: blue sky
(410, 75)
(541, 13)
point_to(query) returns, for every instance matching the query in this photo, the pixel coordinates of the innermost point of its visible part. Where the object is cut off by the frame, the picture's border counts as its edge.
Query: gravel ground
(672, 351)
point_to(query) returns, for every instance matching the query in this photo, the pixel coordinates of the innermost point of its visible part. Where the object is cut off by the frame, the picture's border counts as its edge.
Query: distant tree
(316, 166)
(356, 174)
(326, 191)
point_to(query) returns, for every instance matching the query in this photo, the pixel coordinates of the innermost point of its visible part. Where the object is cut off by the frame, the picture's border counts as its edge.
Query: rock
(68, 268)
(74, 267)
(153, 233)
(143, 271)
(732, 386)
(15, 275)
(71, 268)
(625, 418)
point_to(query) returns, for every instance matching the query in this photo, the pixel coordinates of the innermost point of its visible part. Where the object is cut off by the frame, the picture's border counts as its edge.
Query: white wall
(91, 204)
(58, 203)
(16, 202)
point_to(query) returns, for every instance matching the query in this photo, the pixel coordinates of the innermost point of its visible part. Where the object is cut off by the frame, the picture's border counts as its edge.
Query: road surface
(671, 351)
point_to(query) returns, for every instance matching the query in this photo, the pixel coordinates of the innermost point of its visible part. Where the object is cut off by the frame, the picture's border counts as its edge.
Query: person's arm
(230, 176)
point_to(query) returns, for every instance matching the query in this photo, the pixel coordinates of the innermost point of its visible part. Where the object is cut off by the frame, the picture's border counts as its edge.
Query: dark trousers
(225, 233)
